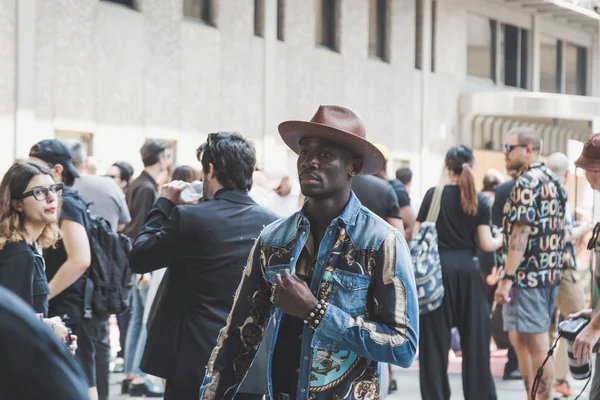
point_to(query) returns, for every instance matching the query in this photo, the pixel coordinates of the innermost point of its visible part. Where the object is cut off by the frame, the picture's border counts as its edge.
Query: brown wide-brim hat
(339, 125)
(589, 159)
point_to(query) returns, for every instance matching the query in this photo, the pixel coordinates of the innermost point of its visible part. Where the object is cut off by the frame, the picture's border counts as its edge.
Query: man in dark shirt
(205, 247)
(379, 197)
(141, 196)
(35, 363)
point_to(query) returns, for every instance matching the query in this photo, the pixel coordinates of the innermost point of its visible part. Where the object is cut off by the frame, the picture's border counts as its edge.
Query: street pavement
(408, 384)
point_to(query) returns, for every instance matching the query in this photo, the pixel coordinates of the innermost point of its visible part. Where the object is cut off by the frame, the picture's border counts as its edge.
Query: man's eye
(325, 155)
(303, 152)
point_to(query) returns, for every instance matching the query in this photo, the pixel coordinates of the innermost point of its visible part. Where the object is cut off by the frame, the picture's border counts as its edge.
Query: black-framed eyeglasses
(41, 193)
(594, 239)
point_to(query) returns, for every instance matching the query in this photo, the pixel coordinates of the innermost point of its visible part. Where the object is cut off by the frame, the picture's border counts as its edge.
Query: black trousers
(93, 353)
(464, 307)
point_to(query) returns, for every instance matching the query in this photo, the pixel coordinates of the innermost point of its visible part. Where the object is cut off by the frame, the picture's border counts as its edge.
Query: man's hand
(492, 278)
(172, 191)
(502, 292)
(144, 280)
(585, 313)
(292, 295)
(585, 342)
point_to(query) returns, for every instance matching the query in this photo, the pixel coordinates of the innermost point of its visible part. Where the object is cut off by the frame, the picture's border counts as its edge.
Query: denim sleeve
(391, 334)
(240, 339)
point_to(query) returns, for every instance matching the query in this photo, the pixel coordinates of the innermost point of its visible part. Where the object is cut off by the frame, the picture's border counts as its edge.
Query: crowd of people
(263, 287)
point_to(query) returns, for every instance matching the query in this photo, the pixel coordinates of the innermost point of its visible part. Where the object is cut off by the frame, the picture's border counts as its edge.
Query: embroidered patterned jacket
(363, 270)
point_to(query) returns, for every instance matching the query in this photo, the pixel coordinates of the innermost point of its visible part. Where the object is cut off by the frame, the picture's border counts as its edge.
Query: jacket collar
(234, 195)
(149, 178)
(348, 215)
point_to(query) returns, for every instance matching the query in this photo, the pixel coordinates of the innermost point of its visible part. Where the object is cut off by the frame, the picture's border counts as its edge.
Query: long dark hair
(12, 222)
(460, 160)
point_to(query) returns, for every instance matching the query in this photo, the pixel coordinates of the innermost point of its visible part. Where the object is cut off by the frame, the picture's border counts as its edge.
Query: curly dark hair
(233, 157)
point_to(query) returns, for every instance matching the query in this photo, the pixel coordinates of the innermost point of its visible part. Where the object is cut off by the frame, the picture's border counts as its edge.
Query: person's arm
(579, 231)
(396, 223)
(409, 218)
(161, 240)
(487, 241)
(392, 333)
(232, 357)
(79, 258)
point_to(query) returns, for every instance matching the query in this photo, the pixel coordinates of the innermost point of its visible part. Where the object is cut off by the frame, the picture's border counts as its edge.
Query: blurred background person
(407, 213)
(91, 165)
(464, 216)
(122, 173)
(35, 363)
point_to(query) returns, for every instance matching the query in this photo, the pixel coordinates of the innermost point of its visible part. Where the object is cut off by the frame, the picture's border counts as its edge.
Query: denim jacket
(364, 273)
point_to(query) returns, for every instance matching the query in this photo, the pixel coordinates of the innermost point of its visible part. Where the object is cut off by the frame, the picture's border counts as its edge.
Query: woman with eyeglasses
(29, 203)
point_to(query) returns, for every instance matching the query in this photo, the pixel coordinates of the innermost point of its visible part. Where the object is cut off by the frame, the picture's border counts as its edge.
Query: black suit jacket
(206, 247)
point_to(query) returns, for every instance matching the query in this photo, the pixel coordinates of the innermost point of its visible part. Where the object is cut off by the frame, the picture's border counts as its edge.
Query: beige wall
(127, 75)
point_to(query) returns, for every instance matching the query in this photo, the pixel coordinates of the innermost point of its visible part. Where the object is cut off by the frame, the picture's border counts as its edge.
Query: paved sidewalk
(408, 383)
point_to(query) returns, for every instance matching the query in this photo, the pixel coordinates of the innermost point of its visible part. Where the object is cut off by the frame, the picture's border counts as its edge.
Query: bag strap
(434, 207)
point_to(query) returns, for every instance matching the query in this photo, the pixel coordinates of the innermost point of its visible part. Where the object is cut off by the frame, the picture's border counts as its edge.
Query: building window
(327, 21)
(434, 6)
(515, 56)
(550, 65)
(259, 18)
(481, 33)
(419, 34)
(202, 10)
(378, 29)
(280, 20)
(575, 70)
(128, 3)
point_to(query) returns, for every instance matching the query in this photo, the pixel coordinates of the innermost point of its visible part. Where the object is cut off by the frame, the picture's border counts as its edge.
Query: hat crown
(340, 118)
(591, 147)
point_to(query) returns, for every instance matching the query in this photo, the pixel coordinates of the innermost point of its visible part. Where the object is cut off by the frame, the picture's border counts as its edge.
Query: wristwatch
(509, 277)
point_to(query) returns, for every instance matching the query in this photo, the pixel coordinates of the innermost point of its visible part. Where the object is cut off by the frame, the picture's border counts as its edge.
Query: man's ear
(357, 164)
(58, 169)
(211, 171)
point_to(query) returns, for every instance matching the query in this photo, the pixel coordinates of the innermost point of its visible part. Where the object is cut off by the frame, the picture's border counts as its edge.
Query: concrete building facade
(117, 72)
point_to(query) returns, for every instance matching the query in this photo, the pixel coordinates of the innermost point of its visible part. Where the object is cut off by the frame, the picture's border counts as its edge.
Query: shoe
(393, 386)
(125, 386)
(563, 388)
(512, 376)
(147, 389)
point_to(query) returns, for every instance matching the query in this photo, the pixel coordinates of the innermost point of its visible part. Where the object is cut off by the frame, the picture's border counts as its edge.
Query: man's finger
(286, 275)
(278, 280)
(576, 349)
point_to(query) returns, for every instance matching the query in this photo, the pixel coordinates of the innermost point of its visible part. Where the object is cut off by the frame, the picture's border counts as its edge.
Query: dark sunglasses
(41, 193)
(510, 147)
(594, 239)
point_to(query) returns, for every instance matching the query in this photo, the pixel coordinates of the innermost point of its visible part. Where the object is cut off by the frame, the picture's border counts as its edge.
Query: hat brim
(588, 164)
(71, 168)
(293, 131)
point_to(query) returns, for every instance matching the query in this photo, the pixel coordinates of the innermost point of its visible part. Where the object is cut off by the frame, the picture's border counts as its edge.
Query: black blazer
(206, 247)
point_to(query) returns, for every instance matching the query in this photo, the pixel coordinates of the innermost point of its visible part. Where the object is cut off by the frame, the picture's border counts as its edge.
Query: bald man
(570, 293)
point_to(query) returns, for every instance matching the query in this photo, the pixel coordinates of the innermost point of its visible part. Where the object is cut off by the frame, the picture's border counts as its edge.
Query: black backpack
(110, 278)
